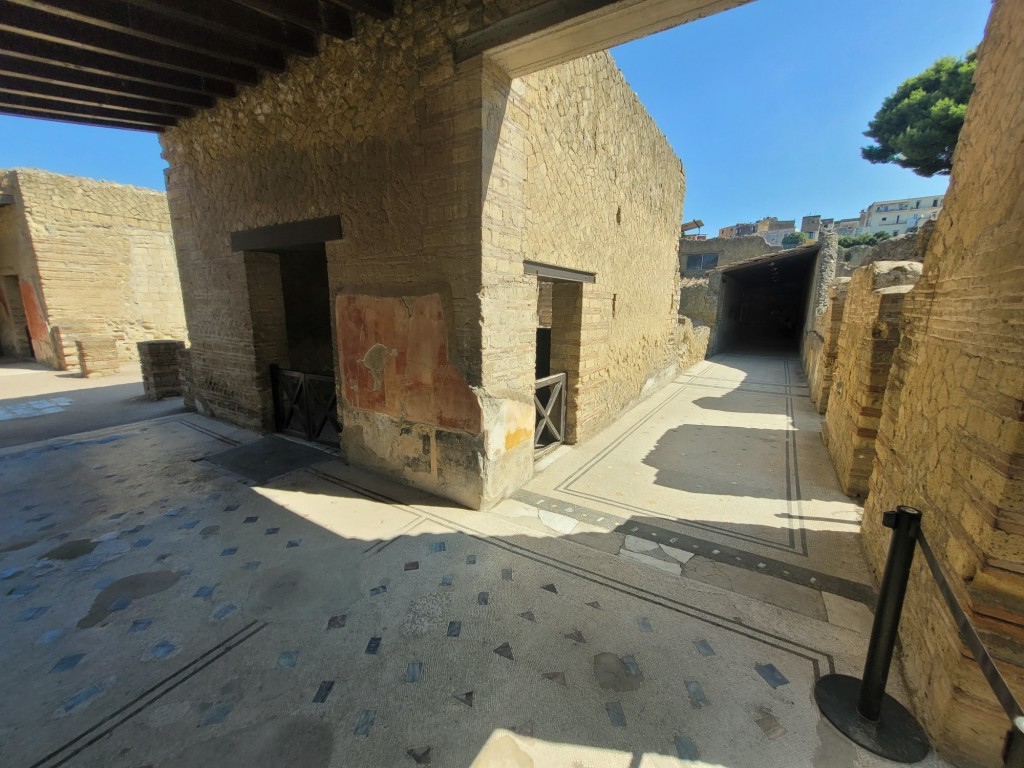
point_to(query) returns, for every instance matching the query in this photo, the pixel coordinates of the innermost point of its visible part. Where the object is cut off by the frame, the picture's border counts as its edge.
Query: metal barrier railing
(549, 403)
(861, 708)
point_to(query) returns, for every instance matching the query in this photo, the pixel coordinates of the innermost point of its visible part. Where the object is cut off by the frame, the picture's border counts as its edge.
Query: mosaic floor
(160, 609)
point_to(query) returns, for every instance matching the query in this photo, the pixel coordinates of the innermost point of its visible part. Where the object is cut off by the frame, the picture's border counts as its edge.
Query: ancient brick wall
(868, 337)
(426, 163)
(951, 439)
(579, 176)
(104, 267)
(604, 194)
(383, 132)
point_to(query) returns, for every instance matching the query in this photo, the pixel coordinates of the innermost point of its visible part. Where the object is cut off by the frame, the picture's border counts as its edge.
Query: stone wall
(951, 439)
(603, 194)
(427, 163)
(17, 270)
(382, 131)
(820, 363)
(98, 261)
(868, 337)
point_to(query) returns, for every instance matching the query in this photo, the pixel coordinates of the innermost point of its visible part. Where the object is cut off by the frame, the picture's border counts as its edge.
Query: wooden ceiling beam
(85, 38)
(44, 51)
(80, 120)
(225, 17)
(121, 18)
(315, 15)
(24, 87)
(49, 74)
(378, 9)
(59, 109)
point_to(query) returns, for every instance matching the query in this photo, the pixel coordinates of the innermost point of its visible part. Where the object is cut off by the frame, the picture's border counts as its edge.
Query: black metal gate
(306, 405)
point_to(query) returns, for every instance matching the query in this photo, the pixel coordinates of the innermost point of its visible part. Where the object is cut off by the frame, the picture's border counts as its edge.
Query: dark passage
(305, 395)
(307, 310)
(763, 305)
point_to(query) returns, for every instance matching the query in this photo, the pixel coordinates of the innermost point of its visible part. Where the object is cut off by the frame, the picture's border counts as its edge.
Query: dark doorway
(763, 305)
(307, 310)
(305, 395)
(14, 336)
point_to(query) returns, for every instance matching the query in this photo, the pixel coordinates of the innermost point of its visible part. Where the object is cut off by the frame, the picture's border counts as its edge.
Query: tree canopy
(872, 239)
(917, 127)
(794, 239)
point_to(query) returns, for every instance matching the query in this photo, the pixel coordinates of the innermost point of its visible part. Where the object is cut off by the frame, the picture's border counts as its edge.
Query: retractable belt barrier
(861, 708)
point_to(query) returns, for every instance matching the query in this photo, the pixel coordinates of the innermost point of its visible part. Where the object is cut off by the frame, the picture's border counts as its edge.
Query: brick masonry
(446, 177)
(950, 436)
(160, 369)
(866, 341)
(96, 267)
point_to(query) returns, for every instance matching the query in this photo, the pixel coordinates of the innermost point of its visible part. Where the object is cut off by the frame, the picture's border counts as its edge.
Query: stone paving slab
(159, 612)
(727, 464)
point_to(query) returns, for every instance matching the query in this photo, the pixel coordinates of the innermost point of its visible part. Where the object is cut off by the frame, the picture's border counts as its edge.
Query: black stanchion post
(861, 709)
(906, 523)
(1013, 753)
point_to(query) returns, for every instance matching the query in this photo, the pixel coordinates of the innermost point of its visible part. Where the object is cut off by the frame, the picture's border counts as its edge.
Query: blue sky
(765, 104)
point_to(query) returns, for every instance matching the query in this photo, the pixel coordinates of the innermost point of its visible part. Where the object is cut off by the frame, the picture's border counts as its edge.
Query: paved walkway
(38, 403)
(183, 593)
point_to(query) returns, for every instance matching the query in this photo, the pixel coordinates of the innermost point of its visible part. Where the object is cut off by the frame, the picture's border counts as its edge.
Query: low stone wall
(159, 363)
(868, 337)
(97, 356)
(821, 355)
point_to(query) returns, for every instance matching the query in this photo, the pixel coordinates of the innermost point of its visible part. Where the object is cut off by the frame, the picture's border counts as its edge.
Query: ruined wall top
(730, 250)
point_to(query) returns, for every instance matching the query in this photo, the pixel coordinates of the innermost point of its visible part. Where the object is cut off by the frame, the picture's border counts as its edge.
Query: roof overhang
(145, 64)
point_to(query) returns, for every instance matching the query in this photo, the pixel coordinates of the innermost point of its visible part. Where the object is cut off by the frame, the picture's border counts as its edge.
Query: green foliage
(875, 237)
(794, 239)
(918, 126)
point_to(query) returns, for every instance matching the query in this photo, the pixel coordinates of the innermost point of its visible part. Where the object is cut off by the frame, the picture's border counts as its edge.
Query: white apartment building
(898, 216)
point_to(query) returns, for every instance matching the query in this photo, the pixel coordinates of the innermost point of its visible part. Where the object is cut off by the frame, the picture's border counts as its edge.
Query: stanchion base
(897, 736)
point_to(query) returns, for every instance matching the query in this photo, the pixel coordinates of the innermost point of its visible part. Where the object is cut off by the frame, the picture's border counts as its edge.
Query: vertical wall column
(867, 340)
(820, 365)
(269, 332)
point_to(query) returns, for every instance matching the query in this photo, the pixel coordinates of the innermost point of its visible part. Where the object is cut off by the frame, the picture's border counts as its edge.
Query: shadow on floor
(310, 620)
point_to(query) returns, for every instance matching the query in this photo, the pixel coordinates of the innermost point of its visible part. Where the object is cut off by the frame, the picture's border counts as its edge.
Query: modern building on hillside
(87, 270)
(845, 227)
(771, 228)
(897, 217)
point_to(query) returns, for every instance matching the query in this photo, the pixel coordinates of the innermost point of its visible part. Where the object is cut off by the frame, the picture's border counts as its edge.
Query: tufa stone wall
(868, 336)
(827, 327)
(444, 183)
(97, 268)
(951, 438)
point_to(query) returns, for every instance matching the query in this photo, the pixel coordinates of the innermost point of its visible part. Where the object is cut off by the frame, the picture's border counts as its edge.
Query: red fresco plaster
(394, 360)
(34, 317)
